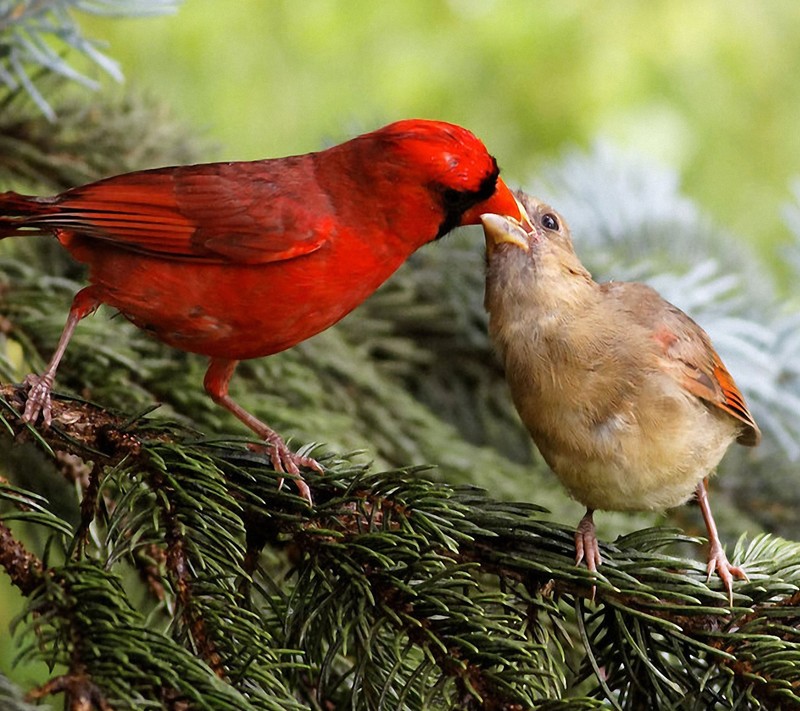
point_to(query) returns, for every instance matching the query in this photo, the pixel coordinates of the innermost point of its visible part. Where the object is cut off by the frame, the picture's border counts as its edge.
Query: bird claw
(285, 461)
(718, 561)
(38, 401)
(587, 547)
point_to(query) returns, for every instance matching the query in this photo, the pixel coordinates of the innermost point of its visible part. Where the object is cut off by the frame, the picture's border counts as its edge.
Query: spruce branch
(388, 591)
(24, 569)
(68, 617)
(91, 140)
(81, 694)
(33, 33)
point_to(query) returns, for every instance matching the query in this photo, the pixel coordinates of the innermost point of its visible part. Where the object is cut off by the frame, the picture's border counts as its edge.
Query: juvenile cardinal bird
(245, 259)
(621, 391)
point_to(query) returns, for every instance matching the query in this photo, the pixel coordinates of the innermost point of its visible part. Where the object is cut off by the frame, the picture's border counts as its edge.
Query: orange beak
(503, 203)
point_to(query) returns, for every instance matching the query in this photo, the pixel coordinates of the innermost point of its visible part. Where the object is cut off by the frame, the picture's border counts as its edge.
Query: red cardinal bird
(241, 260)
(622, 392)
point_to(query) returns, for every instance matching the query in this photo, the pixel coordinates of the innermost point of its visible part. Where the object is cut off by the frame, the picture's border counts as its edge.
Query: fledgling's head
(532, 264)
(546, 248)
(453, 166)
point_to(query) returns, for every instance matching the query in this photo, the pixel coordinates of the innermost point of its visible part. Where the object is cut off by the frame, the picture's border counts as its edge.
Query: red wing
(262, 211)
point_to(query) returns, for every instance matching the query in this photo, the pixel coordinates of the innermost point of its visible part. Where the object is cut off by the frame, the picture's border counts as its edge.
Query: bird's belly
(613, 487)
(231, 311)
(641, 467)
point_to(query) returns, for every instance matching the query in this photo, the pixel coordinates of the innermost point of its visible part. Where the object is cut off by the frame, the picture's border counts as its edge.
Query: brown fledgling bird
(621, 391)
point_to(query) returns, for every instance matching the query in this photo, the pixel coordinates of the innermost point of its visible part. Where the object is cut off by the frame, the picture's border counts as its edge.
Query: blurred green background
(710, 89)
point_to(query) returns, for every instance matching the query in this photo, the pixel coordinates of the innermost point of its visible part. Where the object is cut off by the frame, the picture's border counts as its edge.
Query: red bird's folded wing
(264, 211)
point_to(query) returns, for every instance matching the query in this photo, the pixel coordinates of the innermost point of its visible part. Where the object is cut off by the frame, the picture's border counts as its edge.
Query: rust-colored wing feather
(255, 212)
(690, 357)
(712, 382)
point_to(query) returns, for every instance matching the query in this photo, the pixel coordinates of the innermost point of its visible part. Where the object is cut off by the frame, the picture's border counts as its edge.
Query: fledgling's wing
(689, 355)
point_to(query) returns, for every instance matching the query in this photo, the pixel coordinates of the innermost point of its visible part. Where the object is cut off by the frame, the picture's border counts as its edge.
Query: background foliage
(683, 100)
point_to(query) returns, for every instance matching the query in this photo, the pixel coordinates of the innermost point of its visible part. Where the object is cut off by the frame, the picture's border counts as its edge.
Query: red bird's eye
(550, 222)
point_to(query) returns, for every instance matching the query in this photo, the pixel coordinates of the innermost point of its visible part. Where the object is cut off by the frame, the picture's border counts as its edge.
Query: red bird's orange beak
(503, 202)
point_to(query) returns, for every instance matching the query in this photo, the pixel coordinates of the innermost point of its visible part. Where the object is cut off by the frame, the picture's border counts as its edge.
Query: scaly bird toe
(718, 561)
(586, 545)
(38, 402)
(284, 461)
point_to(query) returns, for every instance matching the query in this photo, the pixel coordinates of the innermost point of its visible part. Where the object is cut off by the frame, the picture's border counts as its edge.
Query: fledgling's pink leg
(717, 559)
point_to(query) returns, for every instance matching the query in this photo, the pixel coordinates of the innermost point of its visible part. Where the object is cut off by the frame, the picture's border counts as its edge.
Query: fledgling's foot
(718, 561)
(586, 545)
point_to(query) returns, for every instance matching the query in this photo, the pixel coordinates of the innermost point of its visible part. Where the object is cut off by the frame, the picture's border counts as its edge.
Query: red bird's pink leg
(283, 459)
(39, 386)
(716, 553)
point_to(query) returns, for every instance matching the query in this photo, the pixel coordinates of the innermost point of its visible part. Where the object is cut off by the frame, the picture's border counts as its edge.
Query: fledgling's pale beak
(499, 229)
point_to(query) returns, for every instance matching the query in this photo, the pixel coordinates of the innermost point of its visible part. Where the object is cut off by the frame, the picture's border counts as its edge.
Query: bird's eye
(550, 221)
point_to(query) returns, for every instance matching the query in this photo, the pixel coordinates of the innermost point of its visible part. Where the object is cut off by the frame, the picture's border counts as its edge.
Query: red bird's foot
(285, 461)
(38, 402)
(718, 561)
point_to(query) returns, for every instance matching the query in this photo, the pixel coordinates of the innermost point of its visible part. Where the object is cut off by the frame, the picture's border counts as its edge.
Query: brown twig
(24, 569)
(179, 569)
(81, 693)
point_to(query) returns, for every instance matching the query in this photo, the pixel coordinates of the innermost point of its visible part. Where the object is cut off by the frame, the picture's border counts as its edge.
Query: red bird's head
(453, 165)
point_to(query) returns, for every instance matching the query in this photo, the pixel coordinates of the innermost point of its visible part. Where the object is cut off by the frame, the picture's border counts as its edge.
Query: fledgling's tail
(22, 214)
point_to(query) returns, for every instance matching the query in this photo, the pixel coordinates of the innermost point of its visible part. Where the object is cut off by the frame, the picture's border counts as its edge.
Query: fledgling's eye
(550, 222)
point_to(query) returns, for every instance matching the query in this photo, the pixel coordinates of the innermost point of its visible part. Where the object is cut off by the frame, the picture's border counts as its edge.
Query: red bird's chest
(238, 311)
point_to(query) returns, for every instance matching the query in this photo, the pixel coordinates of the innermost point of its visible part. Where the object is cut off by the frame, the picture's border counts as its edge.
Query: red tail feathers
(18, 214)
